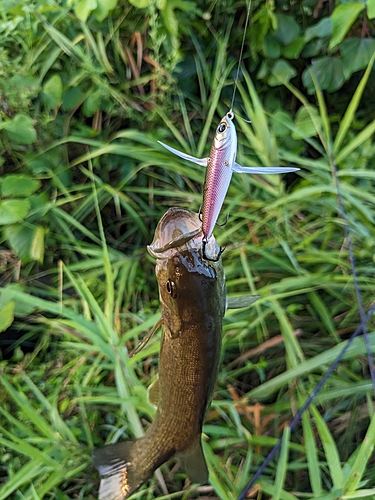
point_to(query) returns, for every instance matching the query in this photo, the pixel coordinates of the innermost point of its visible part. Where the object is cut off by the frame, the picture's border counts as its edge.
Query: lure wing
(262, 170)
(199, 161)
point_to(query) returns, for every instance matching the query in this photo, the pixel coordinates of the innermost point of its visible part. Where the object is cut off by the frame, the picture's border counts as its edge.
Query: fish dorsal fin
(153, 393)
(143, 342)
(194, 463)
(241, 301)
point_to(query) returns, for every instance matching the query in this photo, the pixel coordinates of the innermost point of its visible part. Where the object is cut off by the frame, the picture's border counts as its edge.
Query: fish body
(221, 163)
(193, 301)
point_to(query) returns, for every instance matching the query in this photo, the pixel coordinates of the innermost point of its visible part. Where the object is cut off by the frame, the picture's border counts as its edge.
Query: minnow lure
(221, 163)
(193, 299)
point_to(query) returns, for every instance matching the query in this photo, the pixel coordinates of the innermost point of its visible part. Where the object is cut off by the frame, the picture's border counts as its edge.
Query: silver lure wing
(199, 161)
(262, 170)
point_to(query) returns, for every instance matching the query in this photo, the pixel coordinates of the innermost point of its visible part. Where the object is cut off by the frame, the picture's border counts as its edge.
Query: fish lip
(177, 228)
(172, 244)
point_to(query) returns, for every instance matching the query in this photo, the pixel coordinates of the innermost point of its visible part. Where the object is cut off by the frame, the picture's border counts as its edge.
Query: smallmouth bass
(193, 301)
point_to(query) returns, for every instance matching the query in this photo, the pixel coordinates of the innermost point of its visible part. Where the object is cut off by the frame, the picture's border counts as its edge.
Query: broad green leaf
(308, 121)
(72, 98)
(26, 240)
(282, 72)
(13, 211)
(328, 72)
(83, 8)
(293, 50)
(92, 103)
(287, 29)
(19, 185)
(282, 123)
(39, 206)
(52, 92)
(6, 316)
(20, 129)
(103, 8)
(271, 48)
(320, 30)
(140, 4)
(342, 19)
(370, 8)
(356, 54)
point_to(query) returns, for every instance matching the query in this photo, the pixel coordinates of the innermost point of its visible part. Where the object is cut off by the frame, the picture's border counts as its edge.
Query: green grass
(95, 295)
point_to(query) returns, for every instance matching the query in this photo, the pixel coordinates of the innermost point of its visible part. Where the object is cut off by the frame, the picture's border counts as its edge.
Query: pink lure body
(220, 166)
(219, 173)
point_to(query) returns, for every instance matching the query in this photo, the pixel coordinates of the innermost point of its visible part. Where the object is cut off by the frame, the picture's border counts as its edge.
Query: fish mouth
(178, 227)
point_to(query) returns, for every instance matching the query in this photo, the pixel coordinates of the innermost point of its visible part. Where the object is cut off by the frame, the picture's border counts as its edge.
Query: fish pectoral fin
(153, 393)
(241, 301)
(262, 170)
(194, 463)
(143, 342)
(184, 156)
(112, 462)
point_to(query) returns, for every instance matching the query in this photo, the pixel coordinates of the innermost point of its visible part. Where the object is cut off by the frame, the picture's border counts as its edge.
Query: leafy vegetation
(87, 88)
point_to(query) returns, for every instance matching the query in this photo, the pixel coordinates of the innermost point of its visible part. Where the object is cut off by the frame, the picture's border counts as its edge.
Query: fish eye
(171, 288)
(221, 128)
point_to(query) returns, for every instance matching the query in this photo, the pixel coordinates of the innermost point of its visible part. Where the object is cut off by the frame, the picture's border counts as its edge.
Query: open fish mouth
(177, 228)
(180, 228)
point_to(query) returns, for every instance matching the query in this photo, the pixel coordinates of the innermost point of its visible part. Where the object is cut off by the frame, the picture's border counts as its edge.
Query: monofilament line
(248, 8)
(353, 266)
(297, 418)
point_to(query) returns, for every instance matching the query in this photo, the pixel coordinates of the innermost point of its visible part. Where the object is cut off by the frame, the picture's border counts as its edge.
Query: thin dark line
(248, 8)
(307, 403)
(354, 274)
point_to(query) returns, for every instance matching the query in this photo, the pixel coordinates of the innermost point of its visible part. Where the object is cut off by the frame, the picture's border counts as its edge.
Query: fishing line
(248, 8)
(357, 288)
(361, 328)
(307, 403)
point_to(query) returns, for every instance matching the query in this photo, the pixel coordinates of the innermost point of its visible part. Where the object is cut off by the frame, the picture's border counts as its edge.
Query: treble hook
(226, 220)
(204, 243)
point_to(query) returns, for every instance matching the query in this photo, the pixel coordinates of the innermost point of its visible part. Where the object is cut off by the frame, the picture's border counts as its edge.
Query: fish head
(190, 288)
(226, 135)
(186, 280)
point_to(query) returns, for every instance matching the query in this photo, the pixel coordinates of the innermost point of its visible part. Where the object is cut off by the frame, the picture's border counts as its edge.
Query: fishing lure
(221, 163)
(193, 299)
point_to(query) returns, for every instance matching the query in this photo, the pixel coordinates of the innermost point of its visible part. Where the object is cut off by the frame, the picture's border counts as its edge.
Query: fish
(193, 301)
(221, 163)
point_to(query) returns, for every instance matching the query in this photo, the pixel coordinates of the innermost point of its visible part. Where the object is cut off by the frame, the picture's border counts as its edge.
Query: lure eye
(171, 288)
(221, 128)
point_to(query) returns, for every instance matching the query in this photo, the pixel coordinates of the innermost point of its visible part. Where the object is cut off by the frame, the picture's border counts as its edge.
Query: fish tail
(114, 463)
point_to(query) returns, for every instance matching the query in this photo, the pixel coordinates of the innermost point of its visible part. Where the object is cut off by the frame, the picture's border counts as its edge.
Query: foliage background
(87, 88)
